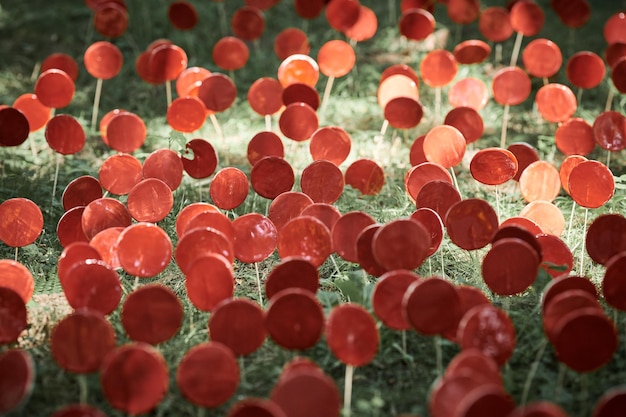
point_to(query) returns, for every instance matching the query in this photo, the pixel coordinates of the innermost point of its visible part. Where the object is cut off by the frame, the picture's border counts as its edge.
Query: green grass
(396, 381)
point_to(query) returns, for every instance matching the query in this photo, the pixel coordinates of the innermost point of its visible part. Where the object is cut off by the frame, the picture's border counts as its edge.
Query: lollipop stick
(384, 127)
(456, 183)
(579, 96)
(571, 218)
(498, 53)
(609, 100)
(84, 389)
(96, 103)
(17, 249)
(497, 202)
(505, 124)
(582, 246)
(242, 371)
(392, 11)
(168, 92)
(56, 177)
(258, 283)
(403, 336)
(533, 371)
(516, 48)
(329, 86)
(200, 412)
(268, 122)
(608, 158)
(347, 391)
(545, 81)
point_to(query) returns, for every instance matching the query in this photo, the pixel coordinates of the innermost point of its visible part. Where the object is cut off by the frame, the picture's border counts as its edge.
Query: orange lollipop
(307, 237)
(144, 250)
(21, 222)
(186, 114)
(397, 85)
(35, 112)
(438, 68)
(248, 23)
(548, 216)
(527, 19)
(54, 88)
(330, 143)
(187, 79)
(542, 58)
(230, 53)
(165, 165)
(540, 181)
(472, 51)
(16, 277)
(298, 68)
(61, 61)
(444, 145)
(613, 30)
(556, 102)
(493, 166)
(591, 184)
(291, 41)
(103, 61)
(566, 168)
(510, 86)
(365, 26)
(335, 58)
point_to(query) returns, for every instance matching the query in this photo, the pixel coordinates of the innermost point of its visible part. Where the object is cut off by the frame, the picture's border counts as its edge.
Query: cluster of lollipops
(102, 235)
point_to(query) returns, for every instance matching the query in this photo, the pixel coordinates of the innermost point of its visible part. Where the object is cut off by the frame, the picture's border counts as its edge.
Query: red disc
(217, 91)
(248, 23)
(298, 68)
(80, 341)
(591, 184)
(419, 175)
(609, 130)
(307, 393)
(469, 297)
(336, 58)
(212, 219)
(291, 41)
(292, 272)
(585, 69)
(94, 285)
(230, 53)
(239, 324)
(229, 188)
(519, 233)
(612, 285)
(490, 330)
(444, 145)
(542, 58)
(431, 306)
(37, 115)
(417, 24)
(186, 81)
(403, 112)
(573, 14)
(199, 243)
(105, 242)
(493, 166)
(510, 266)
(165, 165)
(309, 9)
(365, 26)
(448, 392)
(614, 52)
(467, 121)
(70, 228)
(189, 212)
(613, 30)
(364, 254)
(469, 92)
(12, 316)
(618, 75)
(152, 314)
(343, 14)
(525, 154)
(366, 176)
(119, 173)
(351, 334)
(63, 62)
(611, 403)
(330, 143)
(104, 123)
(204, 160)
(298, 121)
(488, 399)
(463, 11)
(524, 223)
(322, 181)
(527, 17)
(307, 237)
(134, 378)
(548, 216)
(401, 244)
(416, 152)
(103, 60)
(294, 319)
(81, 191)
(150, 200)
(286, 206)
(265, 96)
(264, 144)
(510, 86)
(574, 137)
(21, 222)
(400, 69)
(539, 409)
(110, 19)
(606, 237)
(17, 380)
(394, 86)
(438, 68)
(126, 132)
(144, 250)
(556, 102)
(71, 255)
(209, 281)
(103, 213)
(255, 407)
(301, 93)
(472, 51)
(540, 181)
(387, 298)
(565, 283)
(494, 24)
(54, 88)
(346, 232)
(186, 114)
(566, 168)
(563, 304)
(271, 176)
(438, 196)
(166, 61)
(471, 223)
(556, 257)
(418, 4)
(182, 15)
(255, 237)
(433, 224)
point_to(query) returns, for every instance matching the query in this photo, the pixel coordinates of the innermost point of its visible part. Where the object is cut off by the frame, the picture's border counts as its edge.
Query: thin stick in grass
(456, 183)
(609, 99)
(83, 388)
(438, 355)
(347, 391)
(325, 98)
(533, 371)
(56, 176)
(516, 49)
(96, 104)
(505, 125)
(168, 93)
(258, 283)
(268, 122)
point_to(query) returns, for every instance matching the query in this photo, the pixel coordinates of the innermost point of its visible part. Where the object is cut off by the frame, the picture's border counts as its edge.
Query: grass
(396, 381)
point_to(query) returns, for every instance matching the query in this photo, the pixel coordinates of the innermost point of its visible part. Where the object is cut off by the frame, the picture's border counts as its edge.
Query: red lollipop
(272, 176)
(17, 277)
(126, 132)
(291, 41)
(14, 127)
(110, 19)
(463, 12)
(343, 14)
(309, 9)
(566, 168)
(217, 92)
(574, 137)
(12, 316)
(292, 272)
(527, 17)
(609, 131)
(103, 213)
(264, 144)
(611, 403)
(298, 121)
(423, 173)
(471, 51)
(438, 68)
(230, 53)
(307, 392)
(152, 314)
(494, 24)
(556, 257)
(17, 380)
(37, 115)
(366, 176)
(212, 219)
(542, 58)
(166, 62)
(248, 23)
(614, 52)
(54, 88)
(239, 324)
(307, 237)
(365, 26)
(81, 191)
(80, 341)
(119, 173)
(591, 184)
(618, 75)
(403, 112)
(493, 166)
(613, 30)
(433, 224)
(93, 285)
(511, 86)
(21, 222)
(200, 242)
(69, 227)
(431, 306)
(186, 114)
(387, 298)
(105, 242)
(255, 407)
(346, 232)
(286, 206)
(144, 250)
(189, 212)
(301, 93)
(467, 121)
(265, 97)
(471, 223)
(401, 244)
(229, 188)
(585, 69)
(71, 255)
(134, 378)
(438, 196)
(416, 24)
(330, 143)
(209, 281)
(255, 237)
(510, 266)
(103, 60)
(605, 237)
(204, 160)
(64, 134)
(525, 154)
(322, 181)
(573, 14)
(63, 62)
(150, 200)
(182, 15)
(364, 254)
(556, 102)
(165, 165)
(188, 78)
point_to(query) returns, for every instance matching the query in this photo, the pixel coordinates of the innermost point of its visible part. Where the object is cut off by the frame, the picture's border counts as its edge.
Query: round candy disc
(556, 257)
(54, 88)
(471, 223)
(419, 175)
(606, 237)
(343, 14)
(271, 176)
(469, 92)
(204, 160)
(574, 137)
(307, 237)
(291, 41)
(438, 68)
(119, 173)
(525, 154)
(255, 407)
(307, 393)
(387, 298)
(397, 85)
(365, 26)
(189, 212)
(613, 30)
(301, 93)
(37, 115)
(255, 237)
(438, 196)
(94, 285)
(403, 112)
(186, 114)
(591, 184)
(64, 134)
(611, 403)
(150, 200)
(351, 334)
(542, 58)
(471, 51)
(510, 86)
(540, 181)
(212, 219)
(126, 132)
(165, 165)
(463, 11)
(309, 9)
(565, 283)
(346, 232)
(298, 68)
(17, 380)
(265, 96)
(248, 23)
(469, 297)
(239, 324)
(229, 188)
(17, 277)
(563, 304)
(556, 102)
(524, 223)
(61, 61)
(81, 191)
(366, 176)
(298, 121)
(209, 281)
(286, 206)
(365, 256)
(510, 266)
(230, 53)
(431, 306)
(264, 144)
(198, 243)
(103, 213)
(467, 121)
(322, 181)
(493, 166)
(217, 92)
(494, 23)
(416, 24)
(609, 130)
(166, 61)
(527, 17)
(433, 224)
(103, 60)
(548, 216)
(336, 58)
(144, 250)
(444, 145)
(291, 272)
(401, 244)
(21, 222)
(330, 143)
(585, 69)
(105, 242)
(612, 284)
(188, 78)
(71, 255)
(110, 19)
(70, 228)
(182, 15)
(13, 317)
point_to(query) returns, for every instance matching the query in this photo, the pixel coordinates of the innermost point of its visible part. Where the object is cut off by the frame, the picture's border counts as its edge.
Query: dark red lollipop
(110, 19)
(301, 93)
(606, 237)
(298, 121)
(197, 243)
(322, 181)
(292, 272)
(63, 62)
(591, 184)
(182, 15)
(351, 334)
(542, 58)
(416, 152)
(165, 165)
(471, 223)
(70, 228)
(134, 378)
(493, 166)
(12, 315)
(294, 319)
(342, 14)
(416, 24)
(556, 257)
(286, 206)
(494, 23)
(403, 112)
(539, 409)
(239, 324)
(346, 232)
(487, 399)
(248, 23)
(400, 69)
(574, 137)
(230, 53)
(470, 297)
(565, 283)
(309, 9)
(401, 244)
(80, 342)
(556, 102)
(212, 219)
(187, 81)
(81, 191)
(271, 176)
(510, 86)
(217, 91)
(144, 250)
(331, 143)
(209, 281)
(265, 96)
(255, 407)
(204, 160)
(438, 196)
(366, 176)
(229, 188)
(438, 68)
(152, 314)
(291, 41)
(387, 298)
(103, 60)
(488, 329)
(431, 221)
(618, 75)
(189, 212)
(431, 306)
(72, 254)
(525, 154)
(307, 237)
(21, 222)
(105, 242)
(186, 114)
(166, 61)
(611, 403)
(365, 256)
(94, 285)
(119, 173)
(103, 213)
(612, 283)
(126, 132)
(463, 12)
(609, 130)
(527, 17)
(614, 52)
(573, 14)
(585, 69)
(307, 393)
(37, 115)
(54, 88)
(17, 379)
(255, 237)
(467, 121)
(264, 144)
(419, 175)
(510, 266)
(471, 51)
(563, 304)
